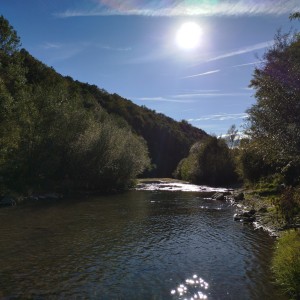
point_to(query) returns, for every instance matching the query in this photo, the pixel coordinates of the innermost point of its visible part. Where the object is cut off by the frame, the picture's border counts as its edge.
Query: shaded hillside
(168, 141)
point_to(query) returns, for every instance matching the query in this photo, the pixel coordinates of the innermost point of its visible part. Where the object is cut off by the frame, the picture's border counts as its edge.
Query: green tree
(209, 162)
(275, 118)
(107, 157)
(9, 40)
(251, 165)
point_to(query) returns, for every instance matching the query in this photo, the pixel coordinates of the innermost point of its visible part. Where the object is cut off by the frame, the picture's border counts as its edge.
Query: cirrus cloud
(186, 8)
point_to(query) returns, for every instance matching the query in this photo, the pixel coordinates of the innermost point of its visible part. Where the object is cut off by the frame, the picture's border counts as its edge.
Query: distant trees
(209, 162)
(168, 141)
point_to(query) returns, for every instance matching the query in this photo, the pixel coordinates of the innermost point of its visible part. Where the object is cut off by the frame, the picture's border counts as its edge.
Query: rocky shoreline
(249, 209)
(257, 211)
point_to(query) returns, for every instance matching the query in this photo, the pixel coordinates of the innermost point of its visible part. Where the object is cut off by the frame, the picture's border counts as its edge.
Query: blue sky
(128, 47)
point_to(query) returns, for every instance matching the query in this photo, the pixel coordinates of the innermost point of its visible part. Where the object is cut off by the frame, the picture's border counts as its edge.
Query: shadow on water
(138, 245)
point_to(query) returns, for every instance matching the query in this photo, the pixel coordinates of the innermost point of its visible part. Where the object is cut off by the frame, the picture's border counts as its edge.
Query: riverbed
(149, 244)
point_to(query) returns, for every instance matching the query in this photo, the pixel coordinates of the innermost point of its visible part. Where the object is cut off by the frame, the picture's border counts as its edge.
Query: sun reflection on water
(192, 289)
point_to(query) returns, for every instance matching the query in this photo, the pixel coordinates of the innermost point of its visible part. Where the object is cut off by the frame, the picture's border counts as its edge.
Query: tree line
(53, 136)
(57, 133)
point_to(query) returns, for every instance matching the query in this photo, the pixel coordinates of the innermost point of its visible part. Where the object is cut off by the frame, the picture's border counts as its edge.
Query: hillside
(57, 133)
(168, 140)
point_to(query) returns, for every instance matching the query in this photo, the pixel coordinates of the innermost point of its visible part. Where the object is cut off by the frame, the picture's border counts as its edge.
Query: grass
(286, 263)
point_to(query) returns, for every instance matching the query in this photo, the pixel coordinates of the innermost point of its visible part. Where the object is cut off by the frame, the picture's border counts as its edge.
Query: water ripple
(140, 245)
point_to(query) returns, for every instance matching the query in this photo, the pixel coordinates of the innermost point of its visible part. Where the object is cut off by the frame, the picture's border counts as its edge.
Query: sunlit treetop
(9, 40)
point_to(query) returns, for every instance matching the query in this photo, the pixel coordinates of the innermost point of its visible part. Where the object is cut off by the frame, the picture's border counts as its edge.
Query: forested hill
(168, 140)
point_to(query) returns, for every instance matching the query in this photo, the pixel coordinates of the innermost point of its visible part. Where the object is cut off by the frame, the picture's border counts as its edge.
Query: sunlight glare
(188, 35)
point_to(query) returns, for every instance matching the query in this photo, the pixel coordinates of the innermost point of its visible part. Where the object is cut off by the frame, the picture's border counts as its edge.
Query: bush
(288, 204)
(286, 263)
(209, 162)
(252, 166)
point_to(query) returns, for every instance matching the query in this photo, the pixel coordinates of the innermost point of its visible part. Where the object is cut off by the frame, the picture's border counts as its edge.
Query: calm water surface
(139, 245)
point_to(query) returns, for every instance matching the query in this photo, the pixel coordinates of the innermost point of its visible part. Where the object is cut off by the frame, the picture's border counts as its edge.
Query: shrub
(209, 162)
(288, 204)
(286, 263)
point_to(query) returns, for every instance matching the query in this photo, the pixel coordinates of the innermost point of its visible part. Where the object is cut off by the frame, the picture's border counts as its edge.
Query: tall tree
(231, 135)
(275, 118)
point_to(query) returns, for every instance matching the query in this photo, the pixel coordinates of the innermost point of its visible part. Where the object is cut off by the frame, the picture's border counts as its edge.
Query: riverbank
(267, 215)
(252, 206)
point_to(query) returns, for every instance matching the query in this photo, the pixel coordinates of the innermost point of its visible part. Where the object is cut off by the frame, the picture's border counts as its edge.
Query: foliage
(168, 141)
(275, 118)
(105, 154)
(55, 135)
(9, 40)
(209, 162)
(288, 204)
(286, 263)
(295, 15)
(252, 166)
(59, 133)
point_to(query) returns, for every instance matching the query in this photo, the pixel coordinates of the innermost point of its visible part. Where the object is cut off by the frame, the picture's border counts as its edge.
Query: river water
(138, 245)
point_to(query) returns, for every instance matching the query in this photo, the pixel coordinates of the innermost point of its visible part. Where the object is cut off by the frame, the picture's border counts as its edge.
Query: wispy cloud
(163, 99)
(48, 45)
(190, 97)
(200, 95)
(186, 8)
(243, 50)
(220, 117)
(202, 74)
(248, 64)
(64, 51)
(110, 48)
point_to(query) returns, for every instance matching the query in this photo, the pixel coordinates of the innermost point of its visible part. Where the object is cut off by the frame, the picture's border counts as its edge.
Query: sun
(188, 36)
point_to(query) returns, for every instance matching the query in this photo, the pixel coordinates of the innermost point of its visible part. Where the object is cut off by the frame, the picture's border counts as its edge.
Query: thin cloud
(51, 46)
(220, 117)
(248, 64)
(189, 98)
(163, 99)
(202, 74)
(243, 50)
(186, 8)
(109, 48)
(61, 52)
(199, 95)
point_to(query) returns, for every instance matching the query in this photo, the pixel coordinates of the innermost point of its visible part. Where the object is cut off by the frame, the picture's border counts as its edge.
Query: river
(137, 245)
